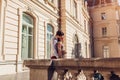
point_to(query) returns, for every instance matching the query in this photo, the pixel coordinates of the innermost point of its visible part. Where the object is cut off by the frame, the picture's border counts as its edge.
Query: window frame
(36, 27)
(27, 35)
(104, 31)
(103, 16)
(106, 51)
(50, 33)
(85, 26)
(86, 48)
(76, 47)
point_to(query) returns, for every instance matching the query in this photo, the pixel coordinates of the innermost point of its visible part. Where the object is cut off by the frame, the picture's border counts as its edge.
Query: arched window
(27, 36)
(76, 53)
(49, 36)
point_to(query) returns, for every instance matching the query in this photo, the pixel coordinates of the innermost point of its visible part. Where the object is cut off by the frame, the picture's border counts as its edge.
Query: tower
(106, 27)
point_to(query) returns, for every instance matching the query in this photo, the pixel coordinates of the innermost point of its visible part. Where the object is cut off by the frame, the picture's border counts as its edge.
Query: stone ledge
(38, 63)
(43, 69)
(102, 63)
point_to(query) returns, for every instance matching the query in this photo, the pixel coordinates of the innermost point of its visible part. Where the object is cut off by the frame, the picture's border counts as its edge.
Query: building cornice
(104, 5)
(85, 12)
(107, 38)
(75, 22)
(41, 6)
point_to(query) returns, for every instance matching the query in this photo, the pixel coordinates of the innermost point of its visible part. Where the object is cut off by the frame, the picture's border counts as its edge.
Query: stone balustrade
(72, 69)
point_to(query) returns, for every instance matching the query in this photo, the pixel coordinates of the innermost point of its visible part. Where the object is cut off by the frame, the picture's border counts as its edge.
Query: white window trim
(103, 16)
(104, 31)
(3, 7)
(46, 36)
(36, 25)
(55, 28)
(28, 35)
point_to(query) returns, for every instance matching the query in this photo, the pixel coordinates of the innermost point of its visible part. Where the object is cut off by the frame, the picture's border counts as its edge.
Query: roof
(97, 2)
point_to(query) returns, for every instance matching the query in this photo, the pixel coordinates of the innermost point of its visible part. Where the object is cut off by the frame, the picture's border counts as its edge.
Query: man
(114, 76)
(54, 40)
(97, 76)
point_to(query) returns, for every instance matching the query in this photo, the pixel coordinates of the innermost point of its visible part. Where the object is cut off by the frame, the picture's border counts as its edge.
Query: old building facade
(106, 30)
(26, 28)
(74, 23)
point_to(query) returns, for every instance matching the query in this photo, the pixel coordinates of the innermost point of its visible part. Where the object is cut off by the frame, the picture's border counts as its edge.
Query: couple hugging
(57, 47)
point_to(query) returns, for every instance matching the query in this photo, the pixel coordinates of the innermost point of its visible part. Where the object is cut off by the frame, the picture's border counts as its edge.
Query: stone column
(105, 74)
(88, 74)
(38, 74)
(74, 74)
(60, 74)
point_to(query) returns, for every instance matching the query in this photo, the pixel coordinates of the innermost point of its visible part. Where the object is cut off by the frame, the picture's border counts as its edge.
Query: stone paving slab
(17, 76)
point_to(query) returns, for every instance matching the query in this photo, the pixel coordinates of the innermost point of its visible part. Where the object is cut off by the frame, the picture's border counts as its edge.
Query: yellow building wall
(111, 39)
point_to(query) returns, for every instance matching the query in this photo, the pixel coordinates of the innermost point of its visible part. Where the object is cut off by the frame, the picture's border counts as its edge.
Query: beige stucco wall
(111, 39)
(10, 22)
(76, 26)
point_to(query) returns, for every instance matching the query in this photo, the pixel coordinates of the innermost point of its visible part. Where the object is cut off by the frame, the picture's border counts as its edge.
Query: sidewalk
(17, 76)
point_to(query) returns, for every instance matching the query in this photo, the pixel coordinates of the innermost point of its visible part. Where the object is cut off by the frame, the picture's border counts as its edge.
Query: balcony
(73, 69)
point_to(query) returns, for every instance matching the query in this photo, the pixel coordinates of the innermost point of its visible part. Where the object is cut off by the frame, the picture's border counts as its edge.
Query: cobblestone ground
(17, 76)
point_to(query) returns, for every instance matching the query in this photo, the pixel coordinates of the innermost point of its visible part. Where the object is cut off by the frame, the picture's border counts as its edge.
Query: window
(85, 25)
(117, 15)
(49, 36)
(75, 9)
(103, 16)
(27, 36)
(105, 51)
(76, 52)
(86, 48)
(104, 31)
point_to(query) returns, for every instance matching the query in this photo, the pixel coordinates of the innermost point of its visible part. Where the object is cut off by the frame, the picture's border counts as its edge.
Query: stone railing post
(88, 74)
(74, 74)
(60, 74)
(106, 75)
(39, 69)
